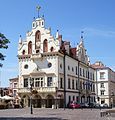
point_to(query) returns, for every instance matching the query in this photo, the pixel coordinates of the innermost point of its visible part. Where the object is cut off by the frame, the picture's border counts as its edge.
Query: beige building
(105, 84)
(14, 90)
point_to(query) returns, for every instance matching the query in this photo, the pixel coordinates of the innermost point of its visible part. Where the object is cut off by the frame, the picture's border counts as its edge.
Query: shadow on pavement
(30, 118)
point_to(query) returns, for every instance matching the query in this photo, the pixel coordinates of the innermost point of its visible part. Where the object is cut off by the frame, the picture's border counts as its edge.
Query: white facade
(59, 73)
(105, 84)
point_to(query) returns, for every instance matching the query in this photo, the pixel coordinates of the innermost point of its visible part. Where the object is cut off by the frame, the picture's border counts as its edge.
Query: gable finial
(38, 9)
(82, 34)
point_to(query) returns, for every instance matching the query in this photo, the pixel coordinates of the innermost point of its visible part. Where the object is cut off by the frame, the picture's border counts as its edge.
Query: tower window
(49, 81)
(30, 47)
(23, 52)
(33, 24)
(42, 23)
(45, 46)
(52, 49)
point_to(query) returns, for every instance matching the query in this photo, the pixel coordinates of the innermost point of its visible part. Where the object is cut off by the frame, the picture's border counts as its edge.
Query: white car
(104, 105)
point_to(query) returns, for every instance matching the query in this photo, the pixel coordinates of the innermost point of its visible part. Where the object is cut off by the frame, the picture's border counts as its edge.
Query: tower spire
(38, 9)
(82, 32)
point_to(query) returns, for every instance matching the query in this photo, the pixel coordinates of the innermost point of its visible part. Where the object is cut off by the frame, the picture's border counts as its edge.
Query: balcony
(40, 90)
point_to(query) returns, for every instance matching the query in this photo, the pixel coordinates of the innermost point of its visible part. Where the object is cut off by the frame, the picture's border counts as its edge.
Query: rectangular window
(102, 75)
(41, 83)
(93, 88)
(83, 73)
(69, 84)
(102, 92)
(72, 84)
(73, 98)
(61, 83)
(76, 71)
(80, 72)
(93, 76)
(86, 74)
(76, 85)
(37, 82)
(69, 99)
(49, 81)
(15, 92)
(15, 85)
(25, 82)
(77, 99)
(102, 85)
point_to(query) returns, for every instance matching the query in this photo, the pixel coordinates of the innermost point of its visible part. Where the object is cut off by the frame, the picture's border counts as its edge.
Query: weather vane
(38, 9)
(82, 34)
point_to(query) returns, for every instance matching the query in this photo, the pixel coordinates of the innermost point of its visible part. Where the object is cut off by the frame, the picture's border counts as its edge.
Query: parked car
(104, 105)
(91, 105)
(97, 105)
(84, 105)
(74, 105)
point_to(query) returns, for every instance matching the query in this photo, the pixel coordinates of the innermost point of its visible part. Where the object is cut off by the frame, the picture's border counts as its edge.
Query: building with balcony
(105, 84)
(14, 90)
(58, 72)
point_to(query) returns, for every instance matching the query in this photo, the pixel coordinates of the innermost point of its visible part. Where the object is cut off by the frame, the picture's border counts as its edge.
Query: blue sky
(95, 17)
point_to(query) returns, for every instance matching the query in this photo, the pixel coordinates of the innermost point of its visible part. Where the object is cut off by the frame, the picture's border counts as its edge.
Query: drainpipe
(78, 83)
(64, 83)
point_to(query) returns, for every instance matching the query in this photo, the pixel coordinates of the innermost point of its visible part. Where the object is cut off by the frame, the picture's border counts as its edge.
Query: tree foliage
(3, 45)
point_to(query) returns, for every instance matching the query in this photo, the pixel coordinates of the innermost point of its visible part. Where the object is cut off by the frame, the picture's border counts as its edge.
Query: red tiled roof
(73, 52)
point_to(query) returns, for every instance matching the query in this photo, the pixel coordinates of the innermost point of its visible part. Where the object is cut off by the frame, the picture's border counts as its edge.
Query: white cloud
(99, 32)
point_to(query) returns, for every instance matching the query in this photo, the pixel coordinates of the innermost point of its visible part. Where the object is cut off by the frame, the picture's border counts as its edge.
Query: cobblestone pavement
(53, 114)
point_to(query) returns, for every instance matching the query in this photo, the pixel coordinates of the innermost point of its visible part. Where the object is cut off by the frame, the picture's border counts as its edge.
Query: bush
(16, 106)
(3, 105)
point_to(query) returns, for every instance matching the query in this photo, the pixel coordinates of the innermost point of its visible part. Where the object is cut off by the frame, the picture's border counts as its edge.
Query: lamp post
(112, 94)
(31, 85)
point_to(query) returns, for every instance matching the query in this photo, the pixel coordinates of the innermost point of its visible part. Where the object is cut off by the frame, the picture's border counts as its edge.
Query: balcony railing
(36, 56)
(41, 89)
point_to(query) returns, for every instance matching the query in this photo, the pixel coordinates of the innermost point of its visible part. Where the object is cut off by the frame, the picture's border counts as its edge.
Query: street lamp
(31, 85)
(112, 94)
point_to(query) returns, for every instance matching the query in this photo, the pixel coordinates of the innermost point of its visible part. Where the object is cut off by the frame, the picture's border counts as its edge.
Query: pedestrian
(22, 104)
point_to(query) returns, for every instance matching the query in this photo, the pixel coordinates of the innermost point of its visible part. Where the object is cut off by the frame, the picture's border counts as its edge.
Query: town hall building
(55, 72)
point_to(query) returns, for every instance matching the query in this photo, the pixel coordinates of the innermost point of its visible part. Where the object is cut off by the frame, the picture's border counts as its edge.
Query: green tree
(3, 45)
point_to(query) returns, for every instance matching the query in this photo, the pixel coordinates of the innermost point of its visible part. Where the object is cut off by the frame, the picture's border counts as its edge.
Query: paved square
(53, 114)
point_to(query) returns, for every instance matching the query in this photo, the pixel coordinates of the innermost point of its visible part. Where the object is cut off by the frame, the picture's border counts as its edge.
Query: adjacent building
(55, 72)
(105, 84)
(14, 90)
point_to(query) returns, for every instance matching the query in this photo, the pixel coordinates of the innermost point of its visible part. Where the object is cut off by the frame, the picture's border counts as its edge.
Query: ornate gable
(81, 53)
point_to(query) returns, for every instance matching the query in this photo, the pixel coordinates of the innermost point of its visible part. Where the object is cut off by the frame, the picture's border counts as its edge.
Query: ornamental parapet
(39, 90)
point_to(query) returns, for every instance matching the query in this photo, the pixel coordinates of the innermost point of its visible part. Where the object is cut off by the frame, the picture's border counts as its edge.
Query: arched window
(45, 45)
(37, 39)
(52, 49)
(30, 47)
(23, 52)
